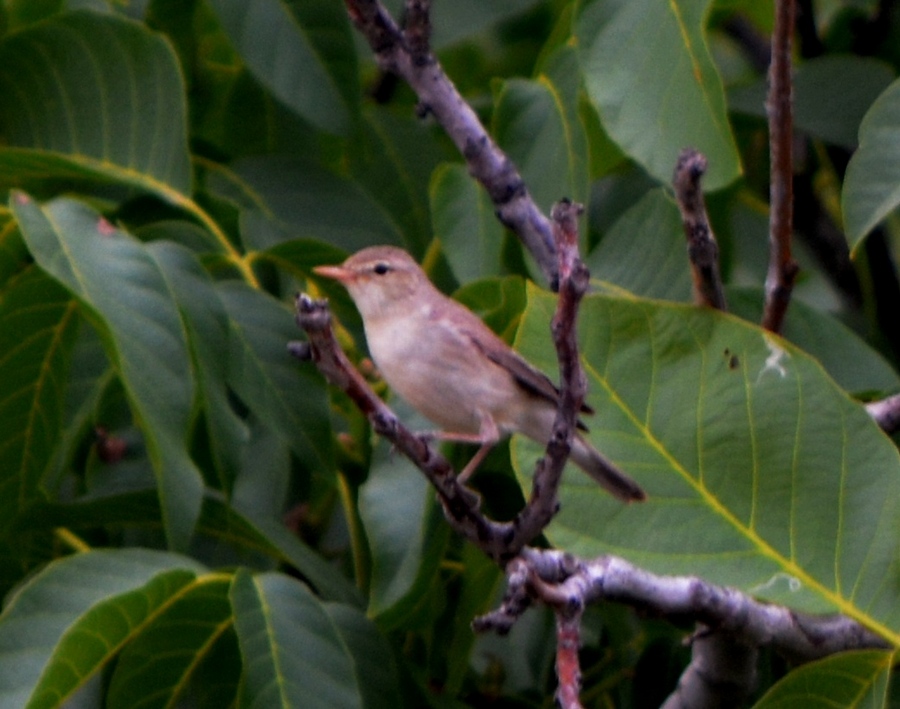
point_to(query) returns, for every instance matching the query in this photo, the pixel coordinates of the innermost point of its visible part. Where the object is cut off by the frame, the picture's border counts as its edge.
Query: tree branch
(406, 54)
(703, 251)
(561, 580)
(782, 267)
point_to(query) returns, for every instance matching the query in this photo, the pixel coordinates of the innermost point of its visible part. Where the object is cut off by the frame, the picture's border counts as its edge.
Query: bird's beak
(338, 273)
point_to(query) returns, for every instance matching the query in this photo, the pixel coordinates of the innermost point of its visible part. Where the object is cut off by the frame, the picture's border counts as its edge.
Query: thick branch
(722, 673)
(405, 54)
(782, 267)
(565, 581)
(886, 413)
(703, 251)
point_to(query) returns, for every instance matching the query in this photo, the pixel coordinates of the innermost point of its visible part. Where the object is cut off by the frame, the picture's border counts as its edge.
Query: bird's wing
(531, 379)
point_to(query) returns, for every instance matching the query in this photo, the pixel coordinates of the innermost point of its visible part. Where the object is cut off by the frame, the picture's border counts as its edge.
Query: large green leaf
(850, 360)
(293, 652)
(88, 95)
(464, 223)
(872, 184)
(208, 330)
(122, 288)
(761, 473)
(373, 662)
(308, 201)
(66, 622)
(831, 96)
(537, 124)
(169, 647)
(287, 396)
(406, 535)
(651, 228)
(649, 72)
(38, 322)
(393, 159)
(850, 680)
(302, 52)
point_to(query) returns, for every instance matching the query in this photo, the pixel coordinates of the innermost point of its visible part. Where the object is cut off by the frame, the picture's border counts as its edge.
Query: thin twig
(574, 282)
(407, 55)
(568, 667)
(703, 251)
(782, 267)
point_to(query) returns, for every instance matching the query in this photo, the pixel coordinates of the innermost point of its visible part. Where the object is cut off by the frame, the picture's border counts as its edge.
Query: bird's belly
(452, 385)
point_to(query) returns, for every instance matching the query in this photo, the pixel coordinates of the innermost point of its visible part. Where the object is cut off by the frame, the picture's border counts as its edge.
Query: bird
(451, 367)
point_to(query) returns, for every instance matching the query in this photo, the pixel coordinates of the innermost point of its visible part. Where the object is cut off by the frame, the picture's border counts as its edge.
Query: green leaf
(87, 95)
(537, 124)
(269, 536)
(406, 535)
(302, 52)
(831, 96)
(464, 223)
(373, 660)
(208, 331)
(293, 653)
(169, 648)
(652, 113)
(38, 322)
(66, 622)
(850, 679)
(852, 362)
(455, 21)
(288, 396)
(393, 160)
(761, 473)
(645, 251)
(872, 184)
(308, 201)
(122, 288)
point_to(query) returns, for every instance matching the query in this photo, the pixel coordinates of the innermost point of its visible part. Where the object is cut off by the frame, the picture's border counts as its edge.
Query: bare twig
(703, 251)
(886, 413)
(568, 667)
(574, 282)
(782, 267)
(405, 54)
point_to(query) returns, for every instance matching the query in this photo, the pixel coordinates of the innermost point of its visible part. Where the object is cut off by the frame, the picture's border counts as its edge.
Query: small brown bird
(443, 360)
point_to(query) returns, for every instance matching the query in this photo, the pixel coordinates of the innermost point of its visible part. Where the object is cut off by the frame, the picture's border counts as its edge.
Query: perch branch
(405, 53)
(574, 282)
(561, 580)
(886, 413)
(782, 267)
(703, 251)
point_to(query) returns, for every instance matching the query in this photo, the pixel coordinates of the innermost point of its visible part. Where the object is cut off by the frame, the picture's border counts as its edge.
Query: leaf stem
(71, 540)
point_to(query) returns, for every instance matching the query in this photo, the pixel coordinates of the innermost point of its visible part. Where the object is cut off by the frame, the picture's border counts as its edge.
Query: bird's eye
(381, 268)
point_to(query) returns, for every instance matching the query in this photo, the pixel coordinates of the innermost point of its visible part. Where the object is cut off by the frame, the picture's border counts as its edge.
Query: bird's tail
(609, 477)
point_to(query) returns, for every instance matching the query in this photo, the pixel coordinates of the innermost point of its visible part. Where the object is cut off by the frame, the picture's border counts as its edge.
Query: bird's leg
(487, 436)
